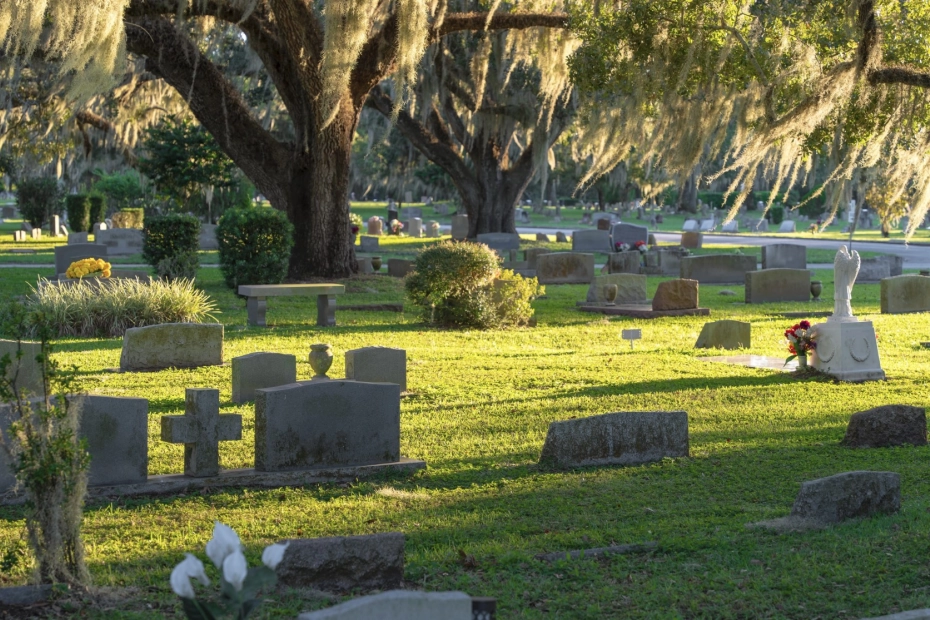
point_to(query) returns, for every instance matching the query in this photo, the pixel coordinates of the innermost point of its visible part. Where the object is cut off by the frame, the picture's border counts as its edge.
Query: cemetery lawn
(477, 413)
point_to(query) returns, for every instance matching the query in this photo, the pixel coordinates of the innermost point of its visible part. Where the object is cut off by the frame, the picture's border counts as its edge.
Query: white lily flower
(273, 554)
(224, 542)
(235, 569)
(190, 568)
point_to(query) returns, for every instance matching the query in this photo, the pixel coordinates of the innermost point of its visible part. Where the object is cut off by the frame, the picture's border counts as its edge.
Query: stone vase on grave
(376, 263)
(610, 293)
(321, 358)
(816, 289)
(802, 361)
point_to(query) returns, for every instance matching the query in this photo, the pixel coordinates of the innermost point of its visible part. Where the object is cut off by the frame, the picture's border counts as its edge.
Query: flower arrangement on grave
(89, 268)
(622, 247)
(801, 341)
(641, 246)
(355, 222)
(396, 226)
(239, 584)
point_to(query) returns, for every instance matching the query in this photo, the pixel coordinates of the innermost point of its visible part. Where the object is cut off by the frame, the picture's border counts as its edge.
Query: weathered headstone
(500, 242)
(724, 334)
(624, 262)
(692, 240)
(116, 431)
(368, 244)
(691, 226)
(98, 226)
(8, 213)
(55, 226)
(77, 238)
(19, 236)
(364, 264)
(28, 371)
(321, 423)
(377, 365)
(629, 234)
(411, 212)
(565, 268)
(730, 227)
(903, 294)
(542, 237)
(172, 345)
(771, 285)
(375, 226)
(344, 563)
(784, 256)
(560, 237)
(788, 226)
(531, 254)
(717, 268)
(200, 429)
(459, 227)
(67, 254)
(625, 438)
(121, 241)
(36, 233)
(887, 426)
(847, 496)
(399, 268)
(256, 371)
(591, 241)
(415, 227)
(631, 288)
(708, 225)
(207, 239)
(676, 295)
(400, 605)
(432, 230)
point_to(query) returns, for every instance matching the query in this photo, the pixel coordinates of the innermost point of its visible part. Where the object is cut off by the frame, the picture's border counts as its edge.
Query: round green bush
(170, 236)
(255, 246)
(462, 285)
(778, 214)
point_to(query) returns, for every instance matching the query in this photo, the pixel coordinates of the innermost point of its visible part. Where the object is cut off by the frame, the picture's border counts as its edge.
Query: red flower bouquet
(800, 342)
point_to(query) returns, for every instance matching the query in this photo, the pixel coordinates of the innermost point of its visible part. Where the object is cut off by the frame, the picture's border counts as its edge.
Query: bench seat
(257, 295)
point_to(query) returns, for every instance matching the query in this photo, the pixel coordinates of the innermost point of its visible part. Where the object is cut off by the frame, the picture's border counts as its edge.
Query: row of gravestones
(708, 225)
(299, 425)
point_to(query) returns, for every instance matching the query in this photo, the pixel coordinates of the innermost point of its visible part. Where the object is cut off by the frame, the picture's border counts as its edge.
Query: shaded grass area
(477, 412)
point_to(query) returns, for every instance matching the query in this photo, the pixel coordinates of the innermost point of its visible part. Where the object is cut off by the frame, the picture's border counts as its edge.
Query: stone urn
(376, 263)
(610, 293)
(321, 358)
(816, 289)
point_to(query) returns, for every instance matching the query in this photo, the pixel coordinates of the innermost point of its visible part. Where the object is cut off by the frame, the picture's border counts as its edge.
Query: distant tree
(39, 198)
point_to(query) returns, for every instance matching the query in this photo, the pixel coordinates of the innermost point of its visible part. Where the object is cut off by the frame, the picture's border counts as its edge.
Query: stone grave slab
(788, 226)
(120, 241)
(708, 225)
(542, 237)
(364, 264)
(200, 429)
(400, 605)
(591, 241)
(116, 430)
(641, 311)
(344, 563)
(260, 370)
(730, 227)
(375, 227)
(774, 285)
(691, 226)
(76, 238)
(377, 365)
(207, 239)
(565, 268)
(432, 230)
(624, 438)
(560, 237)
(847, 496)
(415, 227)
(904, 294)
(459, 227)
(67, 254)
(676, 295)
(531, 254)
(631, 288)
(29, 371)
(726, 334)
(886, 426)
(717, 268)
(873, 270)
(399, 268)
(692, 240)
(411, 212)
(763, 362)
(784, 256)
(172, 345)
(629, 234)
(500, 242)
(369, 244)
(624, 262)
(326, 422)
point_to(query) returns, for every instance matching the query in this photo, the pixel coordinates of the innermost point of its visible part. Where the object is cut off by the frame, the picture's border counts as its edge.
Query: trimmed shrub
(98, 208)
(38, 199)
(170, 236)
(255, 246)
(462, 285)
(776, 214)
(78, 206)
(182, 266)
(107, 308)
(128, 218)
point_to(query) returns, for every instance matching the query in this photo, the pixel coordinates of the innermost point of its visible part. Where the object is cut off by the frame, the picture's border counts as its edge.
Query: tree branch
(899, 75)
(458, 22)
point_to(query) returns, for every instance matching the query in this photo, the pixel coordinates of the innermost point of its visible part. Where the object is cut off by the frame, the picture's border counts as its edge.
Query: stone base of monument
(175, 484)
(848, 351)
(640, 311)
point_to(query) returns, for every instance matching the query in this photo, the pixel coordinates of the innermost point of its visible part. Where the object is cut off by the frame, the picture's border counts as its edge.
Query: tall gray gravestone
(261, 370)
(116, 430)
(326, 422)
(377, 365)
(629, 234)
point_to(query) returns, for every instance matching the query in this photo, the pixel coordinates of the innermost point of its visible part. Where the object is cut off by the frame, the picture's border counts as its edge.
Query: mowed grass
(477, 413)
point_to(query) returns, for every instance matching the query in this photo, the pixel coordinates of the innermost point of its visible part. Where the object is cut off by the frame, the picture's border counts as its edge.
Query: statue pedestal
(847, 350)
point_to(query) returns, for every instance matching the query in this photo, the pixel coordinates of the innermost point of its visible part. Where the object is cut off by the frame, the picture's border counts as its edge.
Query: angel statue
(845, 270)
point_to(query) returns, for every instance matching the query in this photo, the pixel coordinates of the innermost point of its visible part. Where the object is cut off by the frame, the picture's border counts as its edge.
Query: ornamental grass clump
(462, 285)
(108, 309)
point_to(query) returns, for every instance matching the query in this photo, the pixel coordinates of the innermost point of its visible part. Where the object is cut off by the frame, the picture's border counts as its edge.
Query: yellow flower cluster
(89, 267)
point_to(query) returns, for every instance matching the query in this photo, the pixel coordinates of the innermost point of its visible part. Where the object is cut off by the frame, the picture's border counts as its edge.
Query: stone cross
(200, 429)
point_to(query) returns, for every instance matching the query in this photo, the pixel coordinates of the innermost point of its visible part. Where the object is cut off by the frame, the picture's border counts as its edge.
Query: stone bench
(325, 294)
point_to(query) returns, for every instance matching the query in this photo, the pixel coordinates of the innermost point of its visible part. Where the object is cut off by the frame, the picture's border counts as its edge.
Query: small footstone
(724, 334)
(848, 495)
(676, 295)
(343, 563)
(560, 237)
(542, 237)
(891, 425)
(400, 604)
(727, 293)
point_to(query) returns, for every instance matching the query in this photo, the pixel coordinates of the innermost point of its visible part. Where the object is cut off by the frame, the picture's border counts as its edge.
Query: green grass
(477, 412)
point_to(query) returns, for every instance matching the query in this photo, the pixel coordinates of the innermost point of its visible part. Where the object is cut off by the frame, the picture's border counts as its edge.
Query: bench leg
(256, 307)
(326, 310)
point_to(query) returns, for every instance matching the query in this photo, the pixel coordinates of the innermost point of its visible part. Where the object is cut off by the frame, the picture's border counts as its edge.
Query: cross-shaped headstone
(201, 429)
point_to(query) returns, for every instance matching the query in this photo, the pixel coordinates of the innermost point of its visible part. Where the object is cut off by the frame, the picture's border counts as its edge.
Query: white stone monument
(846, 346)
